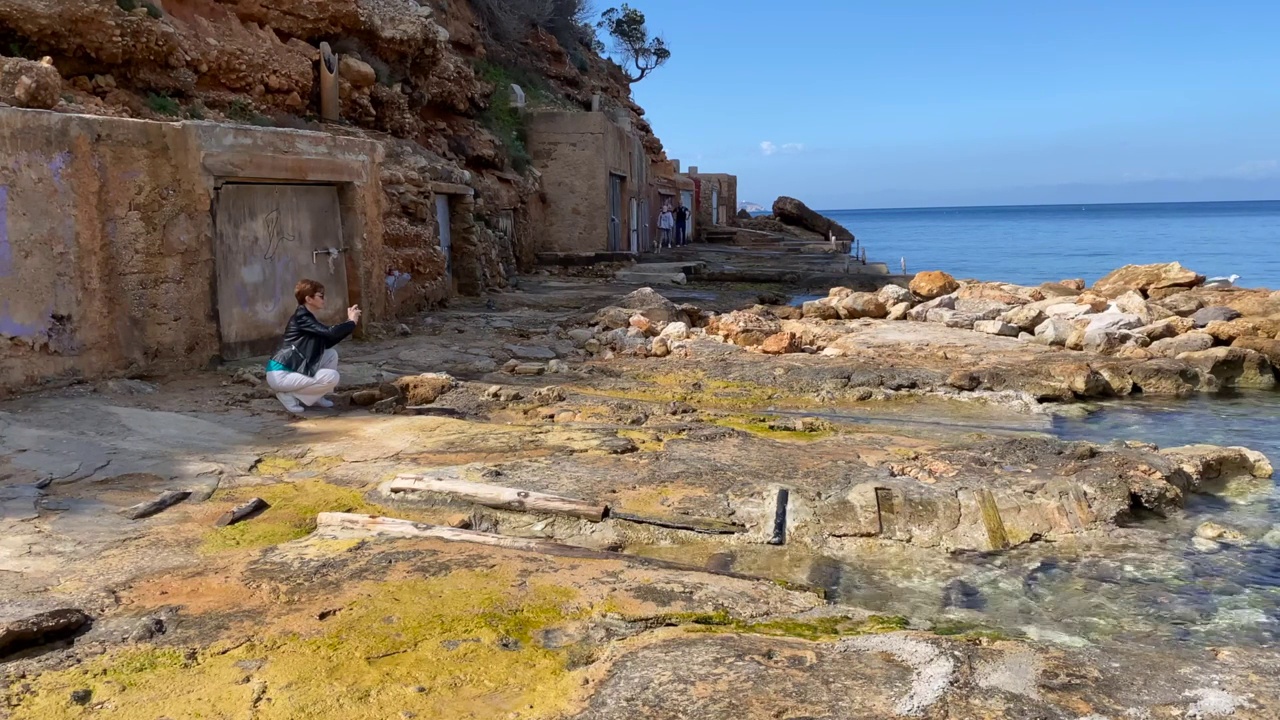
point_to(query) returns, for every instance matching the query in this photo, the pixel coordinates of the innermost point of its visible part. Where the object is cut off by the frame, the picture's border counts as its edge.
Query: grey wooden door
(686, 199)
(268, 238)
(615, 213)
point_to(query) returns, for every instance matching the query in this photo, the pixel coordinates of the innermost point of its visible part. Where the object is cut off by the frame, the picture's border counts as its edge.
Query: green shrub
(163, 105)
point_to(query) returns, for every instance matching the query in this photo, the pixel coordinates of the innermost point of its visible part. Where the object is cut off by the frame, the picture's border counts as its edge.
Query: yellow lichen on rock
(462, 645)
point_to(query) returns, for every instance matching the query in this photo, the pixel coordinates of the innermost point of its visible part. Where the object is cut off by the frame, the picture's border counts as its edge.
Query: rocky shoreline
(703, 424)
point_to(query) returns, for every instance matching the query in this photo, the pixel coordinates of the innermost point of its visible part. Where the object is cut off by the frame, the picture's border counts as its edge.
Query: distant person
(305, 368)
(682, 225)
(666, 223)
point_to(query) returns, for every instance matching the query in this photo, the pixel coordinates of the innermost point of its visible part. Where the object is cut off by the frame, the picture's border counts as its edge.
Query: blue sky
(916, 103)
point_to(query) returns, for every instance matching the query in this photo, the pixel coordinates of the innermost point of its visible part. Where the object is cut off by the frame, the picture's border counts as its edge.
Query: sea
(1046, 243)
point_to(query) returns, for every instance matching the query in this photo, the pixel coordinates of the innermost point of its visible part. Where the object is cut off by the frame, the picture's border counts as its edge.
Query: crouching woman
(305, 368)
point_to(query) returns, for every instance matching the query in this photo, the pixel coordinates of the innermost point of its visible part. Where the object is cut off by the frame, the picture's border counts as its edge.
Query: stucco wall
(107, 236)
(576, 152)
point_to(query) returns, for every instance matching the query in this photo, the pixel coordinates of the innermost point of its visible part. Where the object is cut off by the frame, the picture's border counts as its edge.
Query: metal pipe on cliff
(329, 109)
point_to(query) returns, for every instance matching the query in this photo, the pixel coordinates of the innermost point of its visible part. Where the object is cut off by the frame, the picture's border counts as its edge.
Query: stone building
(715, 198)
(596, 178)
(671, 187)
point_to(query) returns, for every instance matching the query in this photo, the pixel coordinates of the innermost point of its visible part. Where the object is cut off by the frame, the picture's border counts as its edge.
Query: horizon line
(1043, 205)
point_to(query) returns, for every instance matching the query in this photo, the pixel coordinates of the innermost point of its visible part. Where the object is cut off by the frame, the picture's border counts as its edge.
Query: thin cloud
(768, 148)
(793, 147)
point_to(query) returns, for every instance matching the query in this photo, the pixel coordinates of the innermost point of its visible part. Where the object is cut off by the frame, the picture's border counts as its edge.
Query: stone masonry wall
(107, 236)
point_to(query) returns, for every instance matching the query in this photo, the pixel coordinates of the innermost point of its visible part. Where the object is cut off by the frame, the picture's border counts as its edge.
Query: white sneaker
(324, 403)
(290, 403)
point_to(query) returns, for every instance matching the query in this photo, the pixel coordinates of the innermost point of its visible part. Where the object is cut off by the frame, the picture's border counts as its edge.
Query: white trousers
(304, 387)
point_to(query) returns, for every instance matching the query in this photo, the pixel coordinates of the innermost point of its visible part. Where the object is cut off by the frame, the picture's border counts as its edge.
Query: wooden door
(268, 238)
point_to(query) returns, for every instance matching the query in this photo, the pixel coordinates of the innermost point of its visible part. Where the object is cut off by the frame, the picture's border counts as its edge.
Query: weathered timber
(167, 499)
(501, 498)
(349, 524)
(242, 511)
(706, 526)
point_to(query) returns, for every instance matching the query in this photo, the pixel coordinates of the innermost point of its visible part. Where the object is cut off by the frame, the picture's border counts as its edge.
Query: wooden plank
(242, 511)
(147, 509)
(501, 498)
(371, 525)
(694, 524)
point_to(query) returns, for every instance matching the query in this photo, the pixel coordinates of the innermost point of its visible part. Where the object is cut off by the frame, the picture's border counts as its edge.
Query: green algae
(462, 643)
(824, 628)
(291, 513)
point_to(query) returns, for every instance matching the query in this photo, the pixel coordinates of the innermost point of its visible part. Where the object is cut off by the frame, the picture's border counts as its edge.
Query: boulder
(780, 344)
(792, 212)
(933, 284)
(920, 313)
(1165, 329)
(1067, 311)
(1184, 304)
(29, 84)
(861, 305)
(612, 317)
(675, 331)
(1093, 301)
(424, 389)
(357, 72)
(990, 292)
(1144, 278)
(1133, 303)
(899, 311)
(1076, 284)
(952, 318)
(1054, 331)
(820, 310)
(996, 327)
(580, 336)
(1025, 317)
(1218, 313)
(1233, 366)
(983, 308)
(1107, 341)
(1227, 331)
(838, 292)
(1175, 346)
(659, 347)
(641, 323)
(1208, 464)
(742, 328)
(1113, 321)
(891, 295)
(1266, 346)
(1081, 379)
(1165, 376)
(1054, 290)
(652, 305)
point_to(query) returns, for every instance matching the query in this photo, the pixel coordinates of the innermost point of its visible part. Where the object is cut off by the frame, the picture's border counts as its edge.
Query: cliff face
(429, 78)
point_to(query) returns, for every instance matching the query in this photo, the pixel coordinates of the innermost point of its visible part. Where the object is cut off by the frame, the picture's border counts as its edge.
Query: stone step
(650, 278)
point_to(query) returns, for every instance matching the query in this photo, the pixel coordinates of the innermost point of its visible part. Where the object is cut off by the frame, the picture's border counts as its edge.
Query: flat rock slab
(39, 629)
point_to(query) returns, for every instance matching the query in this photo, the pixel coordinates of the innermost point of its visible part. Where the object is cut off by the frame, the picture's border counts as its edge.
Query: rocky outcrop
(1145, 278)
(27, 84)
(1233, 367)
(793, 212)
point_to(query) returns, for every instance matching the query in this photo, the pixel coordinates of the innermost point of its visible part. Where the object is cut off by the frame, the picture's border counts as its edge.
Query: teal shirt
(273, 366)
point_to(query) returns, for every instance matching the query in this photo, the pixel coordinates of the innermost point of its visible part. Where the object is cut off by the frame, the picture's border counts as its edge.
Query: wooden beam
(147, 509)
(352, 524)
(501, 498)
(242, 511)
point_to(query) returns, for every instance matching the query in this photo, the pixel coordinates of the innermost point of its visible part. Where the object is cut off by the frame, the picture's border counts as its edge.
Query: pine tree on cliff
(626, 25)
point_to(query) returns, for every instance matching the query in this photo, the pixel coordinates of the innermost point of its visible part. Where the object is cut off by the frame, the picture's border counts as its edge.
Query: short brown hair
(305, 289)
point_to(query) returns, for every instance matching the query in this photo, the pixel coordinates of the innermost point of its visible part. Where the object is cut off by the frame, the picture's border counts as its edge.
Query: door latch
(333, 257)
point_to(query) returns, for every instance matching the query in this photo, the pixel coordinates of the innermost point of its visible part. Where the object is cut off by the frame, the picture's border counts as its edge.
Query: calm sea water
(1035, 244)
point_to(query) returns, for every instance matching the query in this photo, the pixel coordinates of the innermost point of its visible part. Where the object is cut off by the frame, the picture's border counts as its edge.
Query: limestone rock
(983, 308)
(424, 389)
(899, 311)
(743, 328)
(861, 305)
(990, 292)
(1209, 464)
(675, 331)
(933, 284)
(1094, 301)
(1165, 329)
(1060, 290)
(1144, 278)
(28, 84)
(952, 318)
(530, 352)
(1175, 346)
(1113, 321)
(920, 313)
(891, 295)
(780, 344)
(1219, 313)
(1076, 284)
(1067, 311)
(1233, 366)
(1269, 348)
(652, 305)
(1164, 376)
(1183, 304)
(1024, 317)
(1108, 341)
(1054, 331)
(580, 336)
(1227, 331)
(660, 347)
(996, 327)
(1214, 531)
(836, 293)
(643, 324)
(795, 213)
(820, 310)
(357, 72)
(37, 629)
(1133, 303)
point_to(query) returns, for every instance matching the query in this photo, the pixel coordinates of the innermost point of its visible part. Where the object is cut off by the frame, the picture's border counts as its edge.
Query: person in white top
(666, 222)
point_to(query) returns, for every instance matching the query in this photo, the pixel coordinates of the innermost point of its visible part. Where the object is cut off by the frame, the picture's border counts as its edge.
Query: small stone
(493, 391)
(403, 330)
(1205, 546)
(81, 696)
(147, 629)
(861, 394)
(780, 344)
(675, 331)
(996, 327)
(660, 347)
(511, 366)
(899, 311)
(580, 336)
(1214, 531)
(530, 369)
(365, 398)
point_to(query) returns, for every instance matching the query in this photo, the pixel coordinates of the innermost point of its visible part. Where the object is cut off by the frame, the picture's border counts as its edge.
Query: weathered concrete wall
(721, 187)
(107, 236)
(576, 152)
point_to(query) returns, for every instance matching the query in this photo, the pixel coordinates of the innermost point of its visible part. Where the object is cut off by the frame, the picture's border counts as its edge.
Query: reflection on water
(1146, 585)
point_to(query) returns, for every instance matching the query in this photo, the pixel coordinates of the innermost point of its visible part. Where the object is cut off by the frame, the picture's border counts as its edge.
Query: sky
(917, 103)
